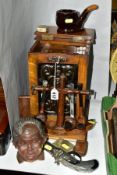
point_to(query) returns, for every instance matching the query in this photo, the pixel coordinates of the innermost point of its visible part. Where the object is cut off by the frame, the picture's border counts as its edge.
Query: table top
(48, 166)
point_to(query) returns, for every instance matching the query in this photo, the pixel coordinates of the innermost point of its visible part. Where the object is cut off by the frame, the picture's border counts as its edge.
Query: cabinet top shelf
(85, 36)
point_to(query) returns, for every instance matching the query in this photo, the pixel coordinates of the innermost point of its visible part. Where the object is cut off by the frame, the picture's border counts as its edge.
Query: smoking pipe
(69, 20)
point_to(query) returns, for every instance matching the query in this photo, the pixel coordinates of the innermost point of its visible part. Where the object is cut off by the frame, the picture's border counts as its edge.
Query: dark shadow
(10, 172)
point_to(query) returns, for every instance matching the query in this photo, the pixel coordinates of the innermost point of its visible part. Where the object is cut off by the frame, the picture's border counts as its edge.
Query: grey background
(18, 22)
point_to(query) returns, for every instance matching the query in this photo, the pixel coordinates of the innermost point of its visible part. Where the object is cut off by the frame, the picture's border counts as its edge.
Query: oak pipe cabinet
(64, 62)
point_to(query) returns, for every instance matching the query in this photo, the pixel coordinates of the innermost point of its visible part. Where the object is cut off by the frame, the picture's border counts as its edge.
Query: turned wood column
(61, 102)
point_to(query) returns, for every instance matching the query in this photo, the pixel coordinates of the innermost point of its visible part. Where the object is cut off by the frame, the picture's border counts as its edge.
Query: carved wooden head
(29, 135)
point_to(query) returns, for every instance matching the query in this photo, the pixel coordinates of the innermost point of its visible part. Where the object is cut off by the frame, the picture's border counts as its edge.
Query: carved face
(30, 143)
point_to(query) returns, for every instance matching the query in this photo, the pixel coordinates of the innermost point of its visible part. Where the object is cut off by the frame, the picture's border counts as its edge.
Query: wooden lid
(86, 36)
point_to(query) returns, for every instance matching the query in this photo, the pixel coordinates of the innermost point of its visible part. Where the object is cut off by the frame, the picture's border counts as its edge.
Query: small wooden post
(24, 106)
(61, 103)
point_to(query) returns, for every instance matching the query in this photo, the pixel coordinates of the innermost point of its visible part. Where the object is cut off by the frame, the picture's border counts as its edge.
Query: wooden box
(69, 49)
(5, 134)
(108, 103)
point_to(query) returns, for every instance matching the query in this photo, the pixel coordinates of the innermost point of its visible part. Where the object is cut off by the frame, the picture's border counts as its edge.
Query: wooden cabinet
(73, 56)
(5, 134)
(70, 49)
